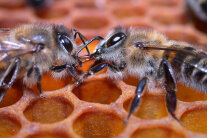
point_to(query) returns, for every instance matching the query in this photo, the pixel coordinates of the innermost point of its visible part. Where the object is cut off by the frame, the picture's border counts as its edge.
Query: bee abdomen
(192, 70)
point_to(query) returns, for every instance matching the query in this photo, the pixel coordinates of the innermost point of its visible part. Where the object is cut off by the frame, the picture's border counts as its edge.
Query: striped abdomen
(190, 69)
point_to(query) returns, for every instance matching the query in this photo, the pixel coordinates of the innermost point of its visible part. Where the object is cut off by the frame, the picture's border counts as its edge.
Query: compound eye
(65, 43)
(115, 39)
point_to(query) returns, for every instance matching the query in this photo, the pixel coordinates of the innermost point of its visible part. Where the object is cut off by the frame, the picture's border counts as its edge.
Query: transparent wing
(9, 49)
(4, 32)
(199, 46)
(197, 50)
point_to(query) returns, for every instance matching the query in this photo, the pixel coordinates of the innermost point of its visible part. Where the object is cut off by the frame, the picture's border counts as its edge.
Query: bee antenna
(82, 37)
(87, 43)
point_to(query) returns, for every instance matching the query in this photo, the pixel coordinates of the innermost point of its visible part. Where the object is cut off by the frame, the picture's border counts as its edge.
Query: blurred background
(178, 19)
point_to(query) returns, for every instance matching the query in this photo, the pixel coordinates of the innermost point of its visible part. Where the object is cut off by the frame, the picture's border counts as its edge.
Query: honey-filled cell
(195, 120)
(98, 124)
(188, 94)
(156, 132)
(48, 110)
(150, 107)
(102, 91)
(50, 83)
(8, 126)
(48, 135)
(13, 94)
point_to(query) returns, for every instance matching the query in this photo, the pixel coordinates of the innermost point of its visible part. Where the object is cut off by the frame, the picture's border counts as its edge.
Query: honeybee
(30, 50)
(154, 59)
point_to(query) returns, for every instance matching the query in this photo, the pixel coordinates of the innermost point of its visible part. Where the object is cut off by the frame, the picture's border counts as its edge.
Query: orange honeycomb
(98, 107)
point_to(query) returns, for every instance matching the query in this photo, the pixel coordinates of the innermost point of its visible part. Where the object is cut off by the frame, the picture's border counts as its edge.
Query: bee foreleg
(137, 97)
(58, 68)
(170, 86)
(72, 70)
(82, 37)
(8, 78)
(122, 65)
(96, 69)
(85, 46)
(96, 63)
(38, 78)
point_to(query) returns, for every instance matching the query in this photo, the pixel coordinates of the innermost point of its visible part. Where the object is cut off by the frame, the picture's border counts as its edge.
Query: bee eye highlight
(115, 39)
(65, 43)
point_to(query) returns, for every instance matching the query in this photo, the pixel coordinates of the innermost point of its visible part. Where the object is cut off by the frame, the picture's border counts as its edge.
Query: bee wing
(9, 49)
(197, 50)
(199, 46)
(5, 29)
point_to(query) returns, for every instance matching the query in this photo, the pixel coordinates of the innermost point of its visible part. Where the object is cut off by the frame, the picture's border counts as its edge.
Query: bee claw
(42, 95)
(78, 83)
(76, 77)
(126, 121)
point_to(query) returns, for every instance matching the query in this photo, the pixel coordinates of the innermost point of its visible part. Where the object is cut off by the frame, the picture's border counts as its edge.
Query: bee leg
(113, 67)
(96, 63)
(96, 69)
(170, 86)
(38, 77)
(79, 71)
(137, 97)
(73, 71)
(71, 68)
(82, 37)
(122, 65)
(9, 77)
(58, 68)
(85, 46)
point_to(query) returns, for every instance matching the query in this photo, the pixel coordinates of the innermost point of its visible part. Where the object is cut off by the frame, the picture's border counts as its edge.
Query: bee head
(112, 42)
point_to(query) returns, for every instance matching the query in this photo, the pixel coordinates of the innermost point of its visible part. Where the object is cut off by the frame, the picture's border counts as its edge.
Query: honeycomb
(98, 107)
